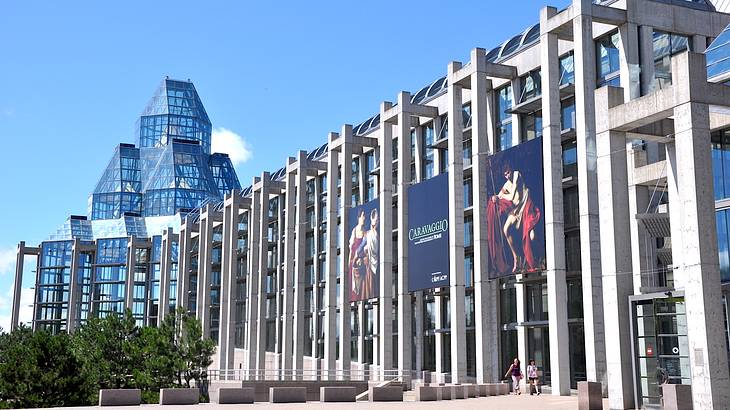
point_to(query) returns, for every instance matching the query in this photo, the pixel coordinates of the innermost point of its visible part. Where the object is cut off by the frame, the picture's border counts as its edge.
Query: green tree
(193, 352)
(109, 349)
(38, 369)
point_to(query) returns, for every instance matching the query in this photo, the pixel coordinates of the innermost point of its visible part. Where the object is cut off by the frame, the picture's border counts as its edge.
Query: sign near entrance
(428, 234)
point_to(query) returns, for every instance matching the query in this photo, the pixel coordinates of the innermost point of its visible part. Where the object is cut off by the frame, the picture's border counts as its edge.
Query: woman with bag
(516, 373)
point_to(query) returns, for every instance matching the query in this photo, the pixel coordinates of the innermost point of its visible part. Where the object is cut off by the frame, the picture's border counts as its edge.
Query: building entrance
(660, 346)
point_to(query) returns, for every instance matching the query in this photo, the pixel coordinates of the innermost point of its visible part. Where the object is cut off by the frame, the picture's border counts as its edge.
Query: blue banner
(364, 244)
(515, 210)
(428, 234)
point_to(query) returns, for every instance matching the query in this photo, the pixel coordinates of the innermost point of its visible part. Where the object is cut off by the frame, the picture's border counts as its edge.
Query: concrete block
(446, 392)
(179, 396)
(589, 396)
(287, 395)
(386, 393)
(503, 389)
(337, 394)
(120, 397)
(492, 389)
(427, 393)
(471, 390)
(241, 395)
(677, 396)
(459, 392)
(482, 390)
(426, 376)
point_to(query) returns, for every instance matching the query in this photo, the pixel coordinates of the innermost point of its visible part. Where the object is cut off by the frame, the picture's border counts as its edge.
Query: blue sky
(274, 79)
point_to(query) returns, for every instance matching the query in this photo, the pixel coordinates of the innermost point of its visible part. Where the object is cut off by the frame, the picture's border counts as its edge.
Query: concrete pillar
(205, 267)
(699, 43)
(129, 280)
(345, 163)
(516, 94)
(183, 266)
(385, 195)
(288, 336)
(521, 314)
(405, 327)
(229, 276)
(697, 272)
(419, 314)
(18, 285)
(629, 67)
(262, 272)
(585, 85)
(646, 48)
(165, 271)
(330, 286)
(74, 289)
(616, 254)
(486, 320)
(643, 249)
(552, 153)
(438, 159)
(456, 230)
(675, 212)
(300, 280)
(252, 304)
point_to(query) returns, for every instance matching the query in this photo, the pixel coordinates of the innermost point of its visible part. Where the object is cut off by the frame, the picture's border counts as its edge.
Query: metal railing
(372, 374)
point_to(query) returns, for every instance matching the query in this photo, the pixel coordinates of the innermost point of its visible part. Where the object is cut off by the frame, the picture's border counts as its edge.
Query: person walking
(516, 373)
(532, 377)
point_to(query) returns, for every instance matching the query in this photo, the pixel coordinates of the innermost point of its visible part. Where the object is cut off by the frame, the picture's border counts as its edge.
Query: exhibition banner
(428, 234)
(364, 244)
(515, 210)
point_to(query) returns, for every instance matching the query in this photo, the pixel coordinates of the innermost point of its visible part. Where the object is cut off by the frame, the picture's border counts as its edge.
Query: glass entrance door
(661, 352)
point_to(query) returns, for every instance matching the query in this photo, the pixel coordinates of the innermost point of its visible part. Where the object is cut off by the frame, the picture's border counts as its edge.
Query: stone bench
(503, 388)
(471, 390)
(676, 396)
(287, 395)
(589, 396)
(120, 397)
(337, 394)
(240, 395)
(386, 393)
(427, 393)
(179, 396)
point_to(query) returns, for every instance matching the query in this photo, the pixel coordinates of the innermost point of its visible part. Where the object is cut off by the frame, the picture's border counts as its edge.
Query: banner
(428, 234)
(364, 243)
(515, 210)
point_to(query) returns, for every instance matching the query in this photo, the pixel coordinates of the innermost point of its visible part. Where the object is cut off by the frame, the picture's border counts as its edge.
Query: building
(118, 255)
(561, 197)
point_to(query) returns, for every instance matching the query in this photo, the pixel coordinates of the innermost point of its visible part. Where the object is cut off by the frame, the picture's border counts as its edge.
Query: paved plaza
(542, 402)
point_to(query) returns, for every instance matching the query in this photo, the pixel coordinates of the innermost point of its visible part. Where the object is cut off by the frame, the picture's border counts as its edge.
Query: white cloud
(26, 308)
(228, 142)
(7, 260)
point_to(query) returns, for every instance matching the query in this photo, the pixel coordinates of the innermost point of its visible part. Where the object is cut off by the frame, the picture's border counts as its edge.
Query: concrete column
(486, 321)
(552, 153)
(516, 94)
(345, 177)
(675, 213)
(300, 280)
(330, 289)
(629, 67)
(165, 272)
(420, 150)
(456, 230)
(521, 314)
(183, 265)
(419, 313)
(205, 267)
(18, 285)
(699, 43)
(697, 272)
(585, 85)
(318, 302)
(288, 336)
(129, 280)
(405, 327)
(252, 304)
(646, 48)
(229, 270)
(438, 159)
(616, 254)
(262, 272)
(385, 195)
(74, 297)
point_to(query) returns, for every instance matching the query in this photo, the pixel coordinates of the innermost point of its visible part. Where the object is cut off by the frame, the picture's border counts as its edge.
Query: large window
(665, 46)
(607, 60)
(567, 70)
(721, 164)
(504, 118)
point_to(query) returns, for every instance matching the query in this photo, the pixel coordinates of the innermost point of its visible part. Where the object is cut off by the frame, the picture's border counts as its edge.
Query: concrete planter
(179, 396)
(120, 397)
